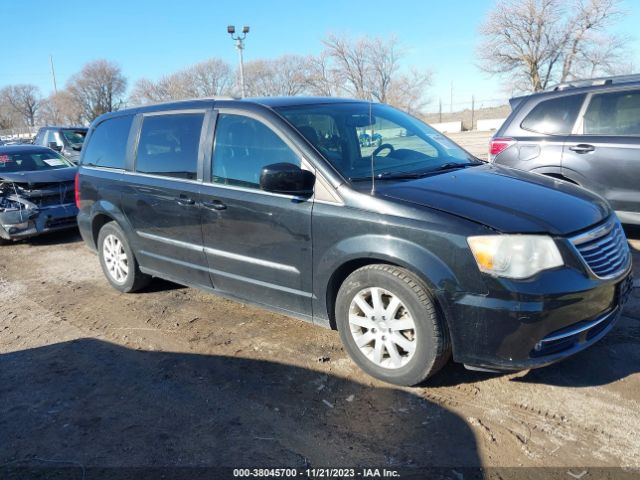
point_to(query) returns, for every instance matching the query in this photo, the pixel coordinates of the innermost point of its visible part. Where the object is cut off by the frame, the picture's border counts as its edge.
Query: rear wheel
(389, 325)
(117, 260)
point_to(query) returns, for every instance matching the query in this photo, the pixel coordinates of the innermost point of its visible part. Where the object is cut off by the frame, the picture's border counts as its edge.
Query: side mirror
(55, 146)
(287, 178)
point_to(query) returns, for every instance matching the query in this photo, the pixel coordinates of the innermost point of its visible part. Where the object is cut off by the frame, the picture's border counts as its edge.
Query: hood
(504, 199)
(42, 176)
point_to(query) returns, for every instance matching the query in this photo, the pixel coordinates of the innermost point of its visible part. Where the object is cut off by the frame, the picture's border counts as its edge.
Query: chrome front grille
(604, 249)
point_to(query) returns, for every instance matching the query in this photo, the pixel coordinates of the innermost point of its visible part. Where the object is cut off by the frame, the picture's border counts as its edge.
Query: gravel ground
(174, 376)
(477, 143)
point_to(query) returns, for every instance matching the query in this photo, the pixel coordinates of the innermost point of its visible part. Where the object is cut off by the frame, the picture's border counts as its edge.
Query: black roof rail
(592, 82)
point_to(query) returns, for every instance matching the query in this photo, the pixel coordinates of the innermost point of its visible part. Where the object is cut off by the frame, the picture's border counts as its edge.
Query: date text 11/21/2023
(315, 473)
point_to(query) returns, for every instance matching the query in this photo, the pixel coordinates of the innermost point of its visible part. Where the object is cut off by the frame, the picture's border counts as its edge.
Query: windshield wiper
(419, 174)
(391, 176)
(452, 165)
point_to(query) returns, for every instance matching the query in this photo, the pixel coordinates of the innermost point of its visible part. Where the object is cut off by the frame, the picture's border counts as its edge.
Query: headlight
(17, 226)
(515, 256)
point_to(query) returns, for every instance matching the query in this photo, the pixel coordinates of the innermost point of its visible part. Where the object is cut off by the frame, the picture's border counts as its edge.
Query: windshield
(26, 161)
(353, 136)
(74, 137)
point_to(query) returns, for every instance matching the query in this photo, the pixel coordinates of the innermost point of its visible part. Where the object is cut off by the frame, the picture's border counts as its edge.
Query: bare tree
(366, 68)
(320, 77)
(211, 78)
(9, 117)
(352, 67)
(99, 88)
(537, 42)
(24, 99)
(370, 68)
(285, 75)
(60, 108)
(383, 56)
(407, 91)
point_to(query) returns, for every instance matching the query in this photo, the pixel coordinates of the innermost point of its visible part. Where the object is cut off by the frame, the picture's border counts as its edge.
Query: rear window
(169, 145)
(616, 113)
(555, 116)
(26, 161)
(107, 145)
(74, 137)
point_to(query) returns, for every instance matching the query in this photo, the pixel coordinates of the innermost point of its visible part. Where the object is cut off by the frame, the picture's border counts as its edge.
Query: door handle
(582, 148)
(214, 205)
(184, 200)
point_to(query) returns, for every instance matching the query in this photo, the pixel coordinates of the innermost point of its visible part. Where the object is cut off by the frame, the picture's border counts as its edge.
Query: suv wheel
(117, 260)
(389, 325)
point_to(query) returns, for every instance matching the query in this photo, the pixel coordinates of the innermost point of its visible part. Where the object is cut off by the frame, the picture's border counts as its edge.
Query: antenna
(53, 74)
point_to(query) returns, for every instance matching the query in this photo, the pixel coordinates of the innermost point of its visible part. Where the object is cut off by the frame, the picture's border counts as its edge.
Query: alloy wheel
(115, 258)
(382, 327)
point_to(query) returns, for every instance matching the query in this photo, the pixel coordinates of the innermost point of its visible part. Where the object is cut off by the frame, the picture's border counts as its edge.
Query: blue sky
(151, 38)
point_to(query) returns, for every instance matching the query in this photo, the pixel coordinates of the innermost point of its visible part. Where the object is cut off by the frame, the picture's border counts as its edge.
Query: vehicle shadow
(55, 238)
(160, 285)
(89, 403)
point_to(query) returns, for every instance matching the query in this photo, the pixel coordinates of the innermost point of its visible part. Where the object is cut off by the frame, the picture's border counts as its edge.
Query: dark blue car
(36, 192)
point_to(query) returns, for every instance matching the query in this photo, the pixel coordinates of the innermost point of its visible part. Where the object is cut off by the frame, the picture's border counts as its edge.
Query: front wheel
(117, 260)
(389, 325)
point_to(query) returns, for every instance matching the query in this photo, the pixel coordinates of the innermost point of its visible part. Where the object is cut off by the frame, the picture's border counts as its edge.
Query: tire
(4, 241)
(111, 239)
(424, 348)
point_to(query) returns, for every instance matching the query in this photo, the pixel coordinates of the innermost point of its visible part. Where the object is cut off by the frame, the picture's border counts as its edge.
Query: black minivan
(410, 247)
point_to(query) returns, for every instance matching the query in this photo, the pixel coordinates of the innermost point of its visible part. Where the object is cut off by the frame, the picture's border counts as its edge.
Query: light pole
(231, 30)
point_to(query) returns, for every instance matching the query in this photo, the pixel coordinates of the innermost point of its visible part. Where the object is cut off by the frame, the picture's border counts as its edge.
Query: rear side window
(555, 116)
(51, 137)
(243, 146)
(169, 145)
(616, 113)
(108, 143)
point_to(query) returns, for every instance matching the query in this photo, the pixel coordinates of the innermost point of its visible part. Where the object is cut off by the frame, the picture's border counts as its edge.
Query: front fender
(348, 254)
(436, 274)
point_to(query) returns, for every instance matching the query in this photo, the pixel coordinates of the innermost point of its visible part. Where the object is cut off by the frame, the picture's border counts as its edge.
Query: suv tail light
(77, 189)
(499, 145)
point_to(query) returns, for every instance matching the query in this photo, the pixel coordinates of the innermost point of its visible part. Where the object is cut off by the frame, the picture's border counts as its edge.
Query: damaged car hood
(36, 177)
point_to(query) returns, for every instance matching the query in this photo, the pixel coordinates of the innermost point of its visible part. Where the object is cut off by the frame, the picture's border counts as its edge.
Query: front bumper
(43, 220)
(536, 328)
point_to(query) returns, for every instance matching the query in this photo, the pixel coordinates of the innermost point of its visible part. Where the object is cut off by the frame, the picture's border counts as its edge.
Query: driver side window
(243, 146)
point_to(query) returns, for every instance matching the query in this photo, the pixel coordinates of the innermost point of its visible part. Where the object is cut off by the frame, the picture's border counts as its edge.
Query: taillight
(499, 145)
(77, 189)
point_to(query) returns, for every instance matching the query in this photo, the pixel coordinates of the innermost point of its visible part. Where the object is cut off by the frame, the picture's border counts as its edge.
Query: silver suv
(585, 132)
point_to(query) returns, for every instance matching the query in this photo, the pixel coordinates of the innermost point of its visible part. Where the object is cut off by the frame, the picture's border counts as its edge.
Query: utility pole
(53, 74)
(239, 39)
(451, 99)
(473, 109)
(440, 112)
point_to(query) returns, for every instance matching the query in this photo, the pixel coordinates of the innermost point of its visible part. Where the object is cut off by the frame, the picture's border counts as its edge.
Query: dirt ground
(175, 376)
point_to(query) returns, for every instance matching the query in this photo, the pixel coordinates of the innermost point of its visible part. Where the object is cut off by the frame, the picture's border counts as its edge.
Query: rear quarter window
(615, 113)
(107, 145)
(555, 116)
